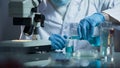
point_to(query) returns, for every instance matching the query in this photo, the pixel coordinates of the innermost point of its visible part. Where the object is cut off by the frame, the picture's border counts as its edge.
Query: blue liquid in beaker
(69, 49)
(95, 41)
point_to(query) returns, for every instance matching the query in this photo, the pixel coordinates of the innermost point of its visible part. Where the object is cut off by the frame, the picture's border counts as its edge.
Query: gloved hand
(86, 25)
(57, 41)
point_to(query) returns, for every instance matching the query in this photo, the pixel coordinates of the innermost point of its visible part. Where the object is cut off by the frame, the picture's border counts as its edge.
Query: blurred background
(7, 30)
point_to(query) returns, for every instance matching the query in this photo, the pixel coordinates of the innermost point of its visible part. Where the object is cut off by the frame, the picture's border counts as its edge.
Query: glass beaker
(70, 46)
(73, 37)
(73, 31)
(106, 40)
(95, 40)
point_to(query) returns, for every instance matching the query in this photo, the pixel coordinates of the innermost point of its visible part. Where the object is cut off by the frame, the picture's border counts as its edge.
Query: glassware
(95, 40)
(106, 39)
(72, 38)
(69, 47)
(73, 31)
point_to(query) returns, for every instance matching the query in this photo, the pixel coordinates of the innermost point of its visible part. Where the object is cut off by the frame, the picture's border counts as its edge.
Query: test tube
(69, 46)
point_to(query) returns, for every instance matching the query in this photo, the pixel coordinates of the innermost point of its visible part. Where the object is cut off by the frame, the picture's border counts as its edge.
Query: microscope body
(24, 12)
(22, 8)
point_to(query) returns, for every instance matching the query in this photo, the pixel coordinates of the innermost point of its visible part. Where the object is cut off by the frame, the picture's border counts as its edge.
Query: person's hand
(86, 25)
(57, 41)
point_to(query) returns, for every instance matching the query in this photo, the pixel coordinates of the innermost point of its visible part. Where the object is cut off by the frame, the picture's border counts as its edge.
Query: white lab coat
(55, 23)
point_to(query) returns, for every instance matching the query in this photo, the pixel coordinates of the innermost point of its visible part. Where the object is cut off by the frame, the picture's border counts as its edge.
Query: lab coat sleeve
(42, 5)
(114, 9)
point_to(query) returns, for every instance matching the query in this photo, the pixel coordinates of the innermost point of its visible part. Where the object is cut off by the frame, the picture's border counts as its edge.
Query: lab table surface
(59, 60)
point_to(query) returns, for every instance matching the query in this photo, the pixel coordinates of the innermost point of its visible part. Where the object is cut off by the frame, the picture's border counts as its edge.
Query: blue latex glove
(57, 41)
(86, 25)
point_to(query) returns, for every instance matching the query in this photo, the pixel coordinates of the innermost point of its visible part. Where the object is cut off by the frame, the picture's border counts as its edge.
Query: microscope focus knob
(39, 18)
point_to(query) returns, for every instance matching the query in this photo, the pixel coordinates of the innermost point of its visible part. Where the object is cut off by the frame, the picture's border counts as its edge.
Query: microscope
(24, 12)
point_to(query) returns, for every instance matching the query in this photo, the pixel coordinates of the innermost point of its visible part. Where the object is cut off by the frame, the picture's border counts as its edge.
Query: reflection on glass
(106, 32)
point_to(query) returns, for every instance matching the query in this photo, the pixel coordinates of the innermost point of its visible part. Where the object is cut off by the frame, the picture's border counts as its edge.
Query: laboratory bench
(35, 57)
(59, 60)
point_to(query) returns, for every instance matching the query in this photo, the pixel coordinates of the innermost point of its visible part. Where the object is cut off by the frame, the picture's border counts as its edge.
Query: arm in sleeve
(113, 11)
(42, 5)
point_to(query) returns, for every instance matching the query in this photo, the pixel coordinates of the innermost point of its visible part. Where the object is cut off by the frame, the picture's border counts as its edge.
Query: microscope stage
(25, 45)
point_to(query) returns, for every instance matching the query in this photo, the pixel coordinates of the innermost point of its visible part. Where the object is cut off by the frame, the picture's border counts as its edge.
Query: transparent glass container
(72, 38)
(106, 40)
